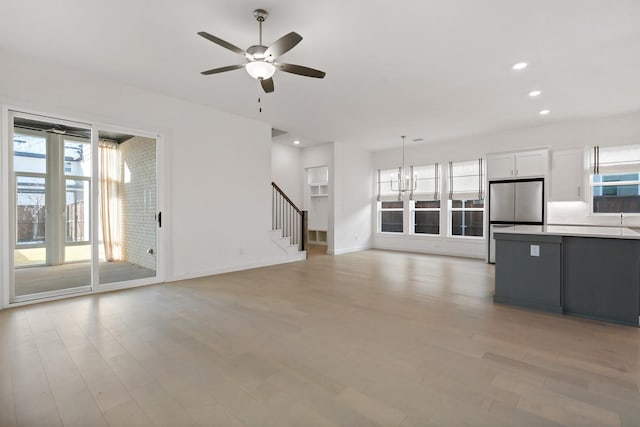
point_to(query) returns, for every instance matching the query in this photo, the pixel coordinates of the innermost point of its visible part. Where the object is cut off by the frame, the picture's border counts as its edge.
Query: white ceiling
(436, 69)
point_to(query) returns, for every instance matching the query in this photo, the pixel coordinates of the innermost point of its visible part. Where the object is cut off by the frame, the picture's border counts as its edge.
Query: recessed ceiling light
(520, 66)
(535, 93)
(296, 142)
(544, 112)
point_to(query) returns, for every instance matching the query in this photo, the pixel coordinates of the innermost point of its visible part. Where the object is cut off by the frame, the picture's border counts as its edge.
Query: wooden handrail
(293, 205)
(285, 215)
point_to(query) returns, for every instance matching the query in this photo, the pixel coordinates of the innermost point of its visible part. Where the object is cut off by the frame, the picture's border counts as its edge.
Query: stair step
(285, 243)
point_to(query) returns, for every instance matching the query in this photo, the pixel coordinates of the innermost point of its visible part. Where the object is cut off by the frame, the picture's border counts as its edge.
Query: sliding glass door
(51, 205)
(83, 207)
(128, 207)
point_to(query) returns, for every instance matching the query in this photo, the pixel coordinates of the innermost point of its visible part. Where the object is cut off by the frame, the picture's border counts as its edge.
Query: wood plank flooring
(371, 338)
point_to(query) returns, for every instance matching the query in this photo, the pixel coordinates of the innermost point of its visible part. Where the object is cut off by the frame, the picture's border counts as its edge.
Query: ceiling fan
(261, 59)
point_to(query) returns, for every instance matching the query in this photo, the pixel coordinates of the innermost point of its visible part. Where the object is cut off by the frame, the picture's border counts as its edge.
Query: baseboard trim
(349, 250)
(231, 269)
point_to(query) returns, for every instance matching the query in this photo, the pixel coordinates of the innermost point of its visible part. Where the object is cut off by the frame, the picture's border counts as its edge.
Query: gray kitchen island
(592, 272)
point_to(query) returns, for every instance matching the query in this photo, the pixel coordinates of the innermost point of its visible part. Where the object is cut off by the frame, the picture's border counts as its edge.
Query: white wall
(287, 171)
(216, 164)
(353, 192)
(608, 131)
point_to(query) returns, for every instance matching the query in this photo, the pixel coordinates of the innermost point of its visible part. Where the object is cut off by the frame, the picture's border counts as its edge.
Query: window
(615, 182)
(391, 217)
(467, 217)
(426, 216)
(466, 198)
(390, 207)
(77, 171)
(426, 206)
(30, 166)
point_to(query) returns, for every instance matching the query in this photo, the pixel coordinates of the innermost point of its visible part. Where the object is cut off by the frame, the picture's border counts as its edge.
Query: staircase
(288, 225)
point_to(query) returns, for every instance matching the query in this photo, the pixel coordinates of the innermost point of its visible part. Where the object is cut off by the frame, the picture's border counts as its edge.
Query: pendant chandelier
(407, 181)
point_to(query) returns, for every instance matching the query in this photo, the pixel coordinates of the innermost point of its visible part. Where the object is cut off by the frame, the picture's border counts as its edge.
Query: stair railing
(288, 218)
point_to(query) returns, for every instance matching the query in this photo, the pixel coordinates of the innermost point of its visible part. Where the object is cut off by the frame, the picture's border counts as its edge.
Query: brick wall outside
(138, 198)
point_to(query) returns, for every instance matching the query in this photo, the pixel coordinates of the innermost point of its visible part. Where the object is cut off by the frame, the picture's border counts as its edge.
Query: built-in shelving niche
(319, 189)
(318, 237)
(317, 203)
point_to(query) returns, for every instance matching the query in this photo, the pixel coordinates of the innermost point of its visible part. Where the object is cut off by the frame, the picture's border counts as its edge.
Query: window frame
(619, 160)
(456, 195)
(593, 185)
(380, 210)
(463, 209)
(413, 210)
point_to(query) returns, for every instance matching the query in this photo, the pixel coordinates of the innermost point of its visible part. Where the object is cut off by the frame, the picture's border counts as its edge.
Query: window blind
(620, 159)
(466, 180)
(428, 181)
(385, 176)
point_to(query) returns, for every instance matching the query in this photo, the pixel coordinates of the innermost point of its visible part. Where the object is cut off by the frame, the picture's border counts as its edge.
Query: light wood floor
(316, 250)
(365, 339)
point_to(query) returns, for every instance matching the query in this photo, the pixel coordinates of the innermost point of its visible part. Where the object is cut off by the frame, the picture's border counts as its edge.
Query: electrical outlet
(534, 250)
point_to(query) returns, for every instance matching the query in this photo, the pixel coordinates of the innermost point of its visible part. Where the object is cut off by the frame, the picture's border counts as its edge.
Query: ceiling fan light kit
(260, 59)
(260, 69)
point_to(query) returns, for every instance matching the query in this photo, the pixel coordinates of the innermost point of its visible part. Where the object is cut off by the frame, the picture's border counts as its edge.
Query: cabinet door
(567, 167)
(532, 163)
(500, 166)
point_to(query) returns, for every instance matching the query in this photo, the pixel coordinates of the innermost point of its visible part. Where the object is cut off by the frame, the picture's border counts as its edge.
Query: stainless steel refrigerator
(514, 202)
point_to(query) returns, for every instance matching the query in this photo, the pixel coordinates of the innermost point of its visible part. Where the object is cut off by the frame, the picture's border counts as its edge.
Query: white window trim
(451, 209)
(610, 184)
(413, 210)
(379, 215)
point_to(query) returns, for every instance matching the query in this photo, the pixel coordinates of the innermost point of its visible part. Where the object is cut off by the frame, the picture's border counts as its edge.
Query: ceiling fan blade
(222, 43)
(267, 85)
(283, 45)
(300, 70)
(222, 69)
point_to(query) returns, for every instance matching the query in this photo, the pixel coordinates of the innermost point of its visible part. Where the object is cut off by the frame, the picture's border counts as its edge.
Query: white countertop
(571, 230)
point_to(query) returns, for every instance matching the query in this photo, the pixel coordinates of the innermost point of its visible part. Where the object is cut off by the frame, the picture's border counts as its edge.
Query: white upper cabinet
(500, 166)
(567, 175)
(524, 164)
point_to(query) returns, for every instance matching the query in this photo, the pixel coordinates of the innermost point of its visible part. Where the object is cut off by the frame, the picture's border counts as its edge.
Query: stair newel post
(304, 231)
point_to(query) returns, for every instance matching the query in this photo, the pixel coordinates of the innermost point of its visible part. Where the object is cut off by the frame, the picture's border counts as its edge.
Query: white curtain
(110, 200)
